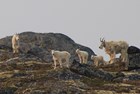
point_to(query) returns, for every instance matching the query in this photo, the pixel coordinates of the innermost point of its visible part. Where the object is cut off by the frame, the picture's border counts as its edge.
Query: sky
(85, 21)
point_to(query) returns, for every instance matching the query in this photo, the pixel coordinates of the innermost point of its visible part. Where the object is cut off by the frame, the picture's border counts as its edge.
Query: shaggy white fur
(59, 56)
(83, 56)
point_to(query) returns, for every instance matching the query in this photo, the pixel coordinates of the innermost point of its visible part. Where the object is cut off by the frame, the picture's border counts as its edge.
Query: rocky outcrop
(134, 57)
(42, 43)
(87, 70)
(91, 72)
(133, 50)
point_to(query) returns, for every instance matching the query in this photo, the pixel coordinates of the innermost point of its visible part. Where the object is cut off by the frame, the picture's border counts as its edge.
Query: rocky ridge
(33, 73)
(40, 44)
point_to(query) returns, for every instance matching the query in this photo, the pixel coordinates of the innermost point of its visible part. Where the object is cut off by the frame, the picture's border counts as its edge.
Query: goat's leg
(80, 58)
(55, 64)
(67, 62)
(85, 60)
(124, 56)
(96, 63)
(113, 56)
(60, 62)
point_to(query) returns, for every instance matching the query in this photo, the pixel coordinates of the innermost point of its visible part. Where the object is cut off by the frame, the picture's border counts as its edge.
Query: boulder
(41, 44)
(89, 71)
(133, 50)
(134, 57)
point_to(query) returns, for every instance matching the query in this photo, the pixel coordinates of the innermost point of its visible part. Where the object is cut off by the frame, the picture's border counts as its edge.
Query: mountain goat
(83, 56)
(97, 60)
(59, 56)
(115, 47)
(15, 43)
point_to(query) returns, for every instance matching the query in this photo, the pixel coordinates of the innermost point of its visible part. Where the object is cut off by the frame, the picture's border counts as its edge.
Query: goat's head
(52, 52)
(77, 50)
(102, 43)
(17, 36)
(92, 57)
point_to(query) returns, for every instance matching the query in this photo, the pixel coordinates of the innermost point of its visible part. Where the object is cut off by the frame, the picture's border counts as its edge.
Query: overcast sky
(85, 21)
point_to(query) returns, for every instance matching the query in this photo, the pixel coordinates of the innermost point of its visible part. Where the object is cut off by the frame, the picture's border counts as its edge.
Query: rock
(5, 47)
(120, 74)
(63, 74)
(8, 90)
(86, 70)
(123, 77)
(133, 50)
(134, 57)
(41, 44)
(134, 77)
(118, 79)
(40, 53)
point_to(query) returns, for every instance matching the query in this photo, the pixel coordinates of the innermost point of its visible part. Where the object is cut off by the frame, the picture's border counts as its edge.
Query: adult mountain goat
(15, 43)
(115, 47)
(59, 56)
(83, 56)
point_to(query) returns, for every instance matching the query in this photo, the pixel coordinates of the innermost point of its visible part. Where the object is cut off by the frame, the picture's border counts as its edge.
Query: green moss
(93, 82)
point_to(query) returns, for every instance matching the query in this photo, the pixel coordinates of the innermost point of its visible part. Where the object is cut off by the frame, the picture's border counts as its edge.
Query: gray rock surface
(41, 44)
(134, 57)
(89, 71)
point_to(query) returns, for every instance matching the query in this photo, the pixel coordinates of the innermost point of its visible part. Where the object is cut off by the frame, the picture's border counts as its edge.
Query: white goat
(15, 43)
(115, 47)
(59, 56)
(98, 60)
(83, 56)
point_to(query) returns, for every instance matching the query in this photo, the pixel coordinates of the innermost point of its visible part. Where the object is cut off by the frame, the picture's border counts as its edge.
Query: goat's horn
(103, 39)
